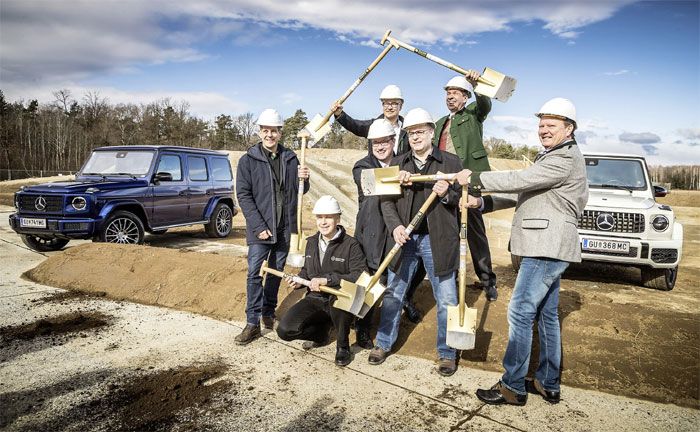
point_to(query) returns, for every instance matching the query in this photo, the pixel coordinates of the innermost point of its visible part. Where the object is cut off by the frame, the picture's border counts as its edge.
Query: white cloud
(689, 133)
(76, 39)
(616, 73)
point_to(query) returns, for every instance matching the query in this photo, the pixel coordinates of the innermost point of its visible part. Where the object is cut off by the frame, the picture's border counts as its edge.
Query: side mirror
(660, 192)
(162, 176)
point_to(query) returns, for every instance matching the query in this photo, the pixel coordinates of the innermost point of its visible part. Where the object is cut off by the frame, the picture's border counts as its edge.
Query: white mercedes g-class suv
(623, 224)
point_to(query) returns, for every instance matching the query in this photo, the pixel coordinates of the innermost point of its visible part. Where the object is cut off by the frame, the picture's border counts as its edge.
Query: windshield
(615, 173)
(119, 162)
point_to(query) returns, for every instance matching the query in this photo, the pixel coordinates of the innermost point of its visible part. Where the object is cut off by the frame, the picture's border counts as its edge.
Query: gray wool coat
(551, 195)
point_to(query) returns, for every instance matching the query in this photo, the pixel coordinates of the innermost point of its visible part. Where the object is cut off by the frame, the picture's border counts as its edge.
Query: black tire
(122, 227)
(43, 244)
(220, 222)
(515, 261)
(660, 279)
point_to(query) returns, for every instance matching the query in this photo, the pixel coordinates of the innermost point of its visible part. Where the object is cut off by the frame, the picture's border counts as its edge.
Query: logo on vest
(337, 259)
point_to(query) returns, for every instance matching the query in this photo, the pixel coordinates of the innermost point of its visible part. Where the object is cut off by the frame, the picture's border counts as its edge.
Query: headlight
(660, 223)
(79, 203)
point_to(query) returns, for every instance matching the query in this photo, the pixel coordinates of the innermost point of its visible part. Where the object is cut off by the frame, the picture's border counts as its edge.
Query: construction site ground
(106, 337)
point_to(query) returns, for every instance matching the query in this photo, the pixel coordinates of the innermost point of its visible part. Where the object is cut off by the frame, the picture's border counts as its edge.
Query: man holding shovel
(461, 133)
(370, 229)
(391, 99)
(331, 255)
(435, 240)
(551, 196)
(266, 188)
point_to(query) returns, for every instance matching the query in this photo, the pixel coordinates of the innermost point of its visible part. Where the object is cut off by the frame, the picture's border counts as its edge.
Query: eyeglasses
(385, 142)
(418, 133)
(390, 104)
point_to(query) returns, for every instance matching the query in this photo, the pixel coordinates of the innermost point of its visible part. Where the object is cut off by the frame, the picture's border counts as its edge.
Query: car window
(171, 164)
(197, 168)
(221, 169)
(615, 173)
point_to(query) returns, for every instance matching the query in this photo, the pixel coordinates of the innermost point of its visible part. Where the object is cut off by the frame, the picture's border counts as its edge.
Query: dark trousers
(261, 299)
(311, 318)
(479, 247)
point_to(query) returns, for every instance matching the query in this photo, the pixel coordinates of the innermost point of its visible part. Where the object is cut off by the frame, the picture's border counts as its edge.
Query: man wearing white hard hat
(435, 240)
(551, 195)
(370, 229)
(331, 255)
(392, 102)
(267, 183)
(461, 132)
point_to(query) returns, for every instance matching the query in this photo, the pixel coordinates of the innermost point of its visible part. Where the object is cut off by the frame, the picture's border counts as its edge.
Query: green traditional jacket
(467, 130)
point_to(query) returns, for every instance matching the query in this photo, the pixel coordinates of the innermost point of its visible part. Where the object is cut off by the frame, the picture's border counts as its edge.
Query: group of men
(550, 196)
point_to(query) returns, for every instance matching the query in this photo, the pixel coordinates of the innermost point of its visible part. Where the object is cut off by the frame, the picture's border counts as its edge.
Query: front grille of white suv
(624, 222)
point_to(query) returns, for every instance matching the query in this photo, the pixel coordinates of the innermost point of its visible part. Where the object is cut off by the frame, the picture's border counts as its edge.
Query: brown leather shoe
(377, 356)
(535, 387)
(268, 322)
(499, 395)
(248, 335)
(447, 367)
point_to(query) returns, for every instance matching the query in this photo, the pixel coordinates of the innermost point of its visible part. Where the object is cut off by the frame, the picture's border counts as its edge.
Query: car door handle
(184, 193)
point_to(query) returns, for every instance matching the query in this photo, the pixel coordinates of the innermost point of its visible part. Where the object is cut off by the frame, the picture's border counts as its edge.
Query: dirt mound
(617, 337)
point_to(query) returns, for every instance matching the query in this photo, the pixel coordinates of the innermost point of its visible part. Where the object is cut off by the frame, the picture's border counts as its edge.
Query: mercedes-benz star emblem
(605, 221)
(40, 203)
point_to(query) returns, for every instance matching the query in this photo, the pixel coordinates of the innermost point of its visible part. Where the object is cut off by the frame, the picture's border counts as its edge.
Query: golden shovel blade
(297, 250)
(354, 302)
(373, 181)
(499, 86)
(315, 128)
(372, 295)
(461, 337)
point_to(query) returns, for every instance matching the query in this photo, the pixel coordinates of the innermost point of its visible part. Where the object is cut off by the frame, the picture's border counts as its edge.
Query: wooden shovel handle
(357, 82)
(300, 193)
(463, 256)
(422, 178)
(411, 226)
(306, 282)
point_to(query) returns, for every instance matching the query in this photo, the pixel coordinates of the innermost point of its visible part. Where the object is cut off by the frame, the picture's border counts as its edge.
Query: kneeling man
(331, 255)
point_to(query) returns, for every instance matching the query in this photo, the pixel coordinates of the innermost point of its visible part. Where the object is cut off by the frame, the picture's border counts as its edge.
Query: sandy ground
(76, 362)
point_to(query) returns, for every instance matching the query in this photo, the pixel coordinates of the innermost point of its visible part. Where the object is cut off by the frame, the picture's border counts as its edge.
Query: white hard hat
(270, 117)
(326, 205)
(391, 92)
(461, 83)
(416, 117)
(558, 107)
(380, 128)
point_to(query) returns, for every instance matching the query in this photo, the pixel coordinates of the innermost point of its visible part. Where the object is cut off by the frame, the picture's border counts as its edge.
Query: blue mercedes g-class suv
(123, 192)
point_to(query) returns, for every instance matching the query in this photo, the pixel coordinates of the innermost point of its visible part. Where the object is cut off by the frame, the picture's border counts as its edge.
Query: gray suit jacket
(551, 195)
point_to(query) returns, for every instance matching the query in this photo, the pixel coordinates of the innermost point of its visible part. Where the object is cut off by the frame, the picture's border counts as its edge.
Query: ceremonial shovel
(318, 127)
(385, 181)
(371, 283)
(297, 242)
(349, 296)
(461, 321)
(491, 83)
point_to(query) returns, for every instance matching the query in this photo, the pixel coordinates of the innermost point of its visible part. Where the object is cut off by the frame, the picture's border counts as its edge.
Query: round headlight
(79, 203)
(660, 223)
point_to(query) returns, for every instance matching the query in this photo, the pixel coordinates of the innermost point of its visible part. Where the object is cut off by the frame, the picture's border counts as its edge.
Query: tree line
(677, 176)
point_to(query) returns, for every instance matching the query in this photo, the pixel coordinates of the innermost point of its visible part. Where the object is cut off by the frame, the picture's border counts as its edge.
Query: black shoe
(343, 357)
(248, 335)
(363, 339)
(534, 387)
(268, 322)
(412, 313)
(377, 356)
(447, 367)
(491, 292)
(499, 395)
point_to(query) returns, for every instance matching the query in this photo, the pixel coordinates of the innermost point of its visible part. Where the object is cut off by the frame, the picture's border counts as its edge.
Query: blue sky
(631, 68)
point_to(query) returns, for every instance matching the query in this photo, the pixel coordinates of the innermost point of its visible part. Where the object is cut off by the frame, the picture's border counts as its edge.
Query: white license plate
(605, 245)
(32, 223)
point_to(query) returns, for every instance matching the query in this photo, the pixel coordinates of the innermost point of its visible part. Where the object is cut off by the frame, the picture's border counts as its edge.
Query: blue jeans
(262, 300)
(535, 297)
(444, 291)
